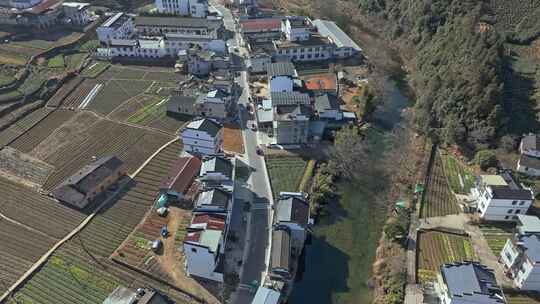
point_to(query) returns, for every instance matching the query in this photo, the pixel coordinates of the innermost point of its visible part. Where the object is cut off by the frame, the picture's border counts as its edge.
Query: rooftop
(530, 243)
(78, 5)
(217, 164)
(289, 98)
(93, 174)
(326, 102)
(528, 223)
(178, 22)
(285, 68)
(123, 42)
(331, 30)
(206, 230)
(123, 295)
(181, 174)
(266, 296)
(44, 6)
(292, 209)
(493, 180)
(206, 125)
(116, 20)
(281, 249)
(292, 112)
(471, 282)
(262, 24)
(213, 198)
(314, 40)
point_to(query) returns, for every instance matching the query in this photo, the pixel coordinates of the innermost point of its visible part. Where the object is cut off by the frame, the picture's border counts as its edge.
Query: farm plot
(116, 221)
(95, 69)
(113, 94)
(38, 211)
(163, 76)
(64, 91)
(285, 173)
(102, 139)
(30, 139)
(133, 106)
(439, 200)
(496, 235)
(127, 73)
(160, 88)
(17, 129)
(232, 138)
(460, 178)
(522, 298)
(24, 168)
(80, 94)
(20, 248)
(435, 248)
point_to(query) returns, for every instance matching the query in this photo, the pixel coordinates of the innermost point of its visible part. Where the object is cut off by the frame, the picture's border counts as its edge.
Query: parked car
(259, 151)
(164, 231)
(156, 245)
(254, 127)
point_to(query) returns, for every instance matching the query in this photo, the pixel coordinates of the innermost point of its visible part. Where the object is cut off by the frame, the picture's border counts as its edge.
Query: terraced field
(79, 94)
(132, 145)
(58, 97)
(436, 248)
(79, 272)
(439, 200)
(39, 132)
(17, 129)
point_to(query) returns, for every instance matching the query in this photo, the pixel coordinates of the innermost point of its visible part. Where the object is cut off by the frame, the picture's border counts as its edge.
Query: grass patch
(308, 174)
(285, 173)
(10, 96)
(95, 69)
(149, 111)
(460, 178)
(73, 61)
(6, 80)
(89, 45)
(56, 62)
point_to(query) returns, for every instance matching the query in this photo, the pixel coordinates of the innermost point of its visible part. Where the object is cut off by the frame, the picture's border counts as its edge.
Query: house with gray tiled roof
(203, 137)
(468, 283)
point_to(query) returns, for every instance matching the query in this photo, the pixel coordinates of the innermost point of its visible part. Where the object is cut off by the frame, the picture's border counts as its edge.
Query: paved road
(256, 249)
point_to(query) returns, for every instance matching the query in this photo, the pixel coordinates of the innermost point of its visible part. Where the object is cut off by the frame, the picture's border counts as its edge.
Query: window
(194, 250)
(518, 211)
(521, 203)
(506, 217)
(509, 211)
(514, 202)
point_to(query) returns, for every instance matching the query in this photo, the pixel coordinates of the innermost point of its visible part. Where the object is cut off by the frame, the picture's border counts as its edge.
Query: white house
(216, 170)
(281, 76)
(521, 254)
(203, 137)
(119, 26)
(292, 211)
(528, 165)
(468, 283)
(296, 28)
(178, 7)
(344, 45)
(501, 198)
(187, 27)
(198, 8)
(204, 246)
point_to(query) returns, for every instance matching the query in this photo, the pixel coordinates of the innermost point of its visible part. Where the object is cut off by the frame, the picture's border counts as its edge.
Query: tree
(394, 230)
(349, 155)
(486, 159)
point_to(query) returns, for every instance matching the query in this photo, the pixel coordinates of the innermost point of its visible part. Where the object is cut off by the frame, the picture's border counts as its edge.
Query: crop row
(37, 134)
(285, 173)
(78, 95)
(439, 201)
(21, 126)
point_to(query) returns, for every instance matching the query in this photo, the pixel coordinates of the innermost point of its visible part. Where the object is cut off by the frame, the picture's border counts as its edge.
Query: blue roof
(472, 282)
(266, 296)
(531, 245)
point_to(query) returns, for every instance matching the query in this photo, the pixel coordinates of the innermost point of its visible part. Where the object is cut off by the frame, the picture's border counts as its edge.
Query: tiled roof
(289, 98)
(292, 209)
(268, 24)
(285, 68)
(207, 125)
(213, 198)
(181, 174)
(281, 249)
(331, 30)
(217, 164)
(178, 22)
(531, 142)
(326, 102)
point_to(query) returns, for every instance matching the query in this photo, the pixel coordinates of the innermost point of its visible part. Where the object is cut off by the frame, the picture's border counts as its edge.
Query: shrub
(486, 159)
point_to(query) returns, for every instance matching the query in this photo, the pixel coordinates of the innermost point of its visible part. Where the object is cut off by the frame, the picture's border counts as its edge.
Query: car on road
(156, 245)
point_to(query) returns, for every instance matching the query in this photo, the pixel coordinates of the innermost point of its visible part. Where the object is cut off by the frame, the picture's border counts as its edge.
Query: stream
(339, 260)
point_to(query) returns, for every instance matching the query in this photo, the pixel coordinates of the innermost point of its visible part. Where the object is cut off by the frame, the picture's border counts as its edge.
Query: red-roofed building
(260, 30)
(322, 83)
(181, 175)
(204, 246)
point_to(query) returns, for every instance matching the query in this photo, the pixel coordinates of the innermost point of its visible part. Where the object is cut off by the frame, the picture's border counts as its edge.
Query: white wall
(180, 7)
(201, 262)
(499, 209)
(281, 84)
(305, 53)
(106, 34)
(527, 170)
(201, 142)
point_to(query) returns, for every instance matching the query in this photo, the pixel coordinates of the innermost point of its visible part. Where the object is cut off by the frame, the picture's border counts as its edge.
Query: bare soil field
(79, 94)
(17, 129)
(33, 137)
(58, 97)
(232, 138)
(102, 139)
(29, 170)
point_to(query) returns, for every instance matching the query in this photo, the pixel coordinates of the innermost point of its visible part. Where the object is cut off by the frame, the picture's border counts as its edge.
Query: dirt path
(172, 260)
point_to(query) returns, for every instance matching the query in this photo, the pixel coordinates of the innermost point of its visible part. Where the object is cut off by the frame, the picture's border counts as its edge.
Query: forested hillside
(471, 64)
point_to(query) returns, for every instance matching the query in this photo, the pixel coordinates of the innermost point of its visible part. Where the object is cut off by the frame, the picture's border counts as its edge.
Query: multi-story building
(292, 213)
(217, 172)
(118, 27)
(202, 63)
(327, 107)
(314, 49)
(181, 26)
(22, 4)
(501, 197)
(521, 254)
(180, 177)
(214, 200)
(260, 30)
(468, 283)
(203, 137)
(297, 28)
(204, 246)
(76, 13)
(529, 161)
(153, 48)
(291, 117)
(178, 7)
(344, 46)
